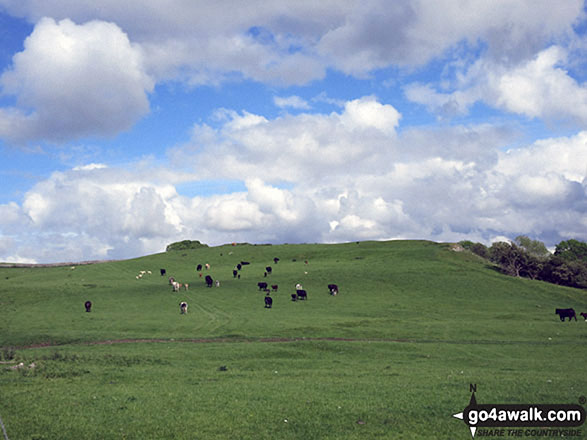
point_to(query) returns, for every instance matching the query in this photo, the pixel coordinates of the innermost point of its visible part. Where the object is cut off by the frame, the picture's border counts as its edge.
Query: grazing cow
(294, 297)
(209, 281)
(175, 285)
(244, 263)
(234, 273)
(198, 267)
(163, 272)
(265, 274)
(171, 280)
(274, 287)
(268, 269)
(333, 288)
(186, 285)
(262, 285)
(268, 302)
(239, 266)
(217, 283)
(276, 260)
(584, 315)
(207, 266)
(183, 307)
(302, 294)
(88, 305)
(566, 313)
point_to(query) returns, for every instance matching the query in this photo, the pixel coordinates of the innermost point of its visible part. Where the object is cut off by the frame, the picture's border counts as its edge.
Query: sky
(126, 126)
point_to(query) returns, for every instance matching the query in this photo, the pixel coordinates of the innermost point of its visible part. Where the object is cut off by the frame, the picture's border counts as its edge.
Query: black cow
(276, 260)
(302, 294)
(268, 302)
(294, 297)
(163, 271)
(566, 313)
(239, 266)
(209, 281)
(584, 315)
(262, 285)
(268, 269)
(274, 287)
(333, 288)
(234, 273)
(244, 263)
(88, 305)
(199, 268)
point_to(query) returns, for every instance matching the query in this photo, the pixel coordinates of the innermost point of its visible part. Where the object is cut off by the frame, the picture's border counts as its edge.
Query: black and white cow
(566, 313)
(183, 307)
(268, 302)
(333, 288)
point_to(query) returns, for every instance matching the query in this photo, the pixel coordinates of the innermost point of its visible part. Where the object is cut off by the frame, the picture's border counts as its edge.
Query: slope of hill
(391, 356)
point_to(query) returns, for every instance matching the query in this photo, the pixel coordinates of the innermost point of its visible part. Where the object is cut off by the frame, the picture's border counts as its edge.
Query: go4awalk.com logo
(520, 420)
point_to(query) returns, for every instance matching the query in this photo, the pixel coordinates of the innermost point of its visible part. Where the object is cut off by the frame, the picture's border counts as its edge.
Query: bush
(185, 245)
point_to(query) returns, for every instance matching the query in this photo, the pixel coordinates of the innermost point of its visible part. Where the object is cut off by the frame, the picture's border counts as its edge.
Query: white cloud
(74, 80)
(536, 88)
(291, 101)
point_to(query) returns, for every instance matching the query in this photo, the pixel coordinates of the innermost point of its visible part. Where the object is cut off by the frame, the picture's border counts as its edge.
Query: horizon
(124, 129)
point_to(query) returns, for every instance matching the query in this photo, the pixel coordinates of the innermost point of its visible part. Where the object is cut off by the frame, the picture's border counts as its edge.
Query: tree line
(529, 258)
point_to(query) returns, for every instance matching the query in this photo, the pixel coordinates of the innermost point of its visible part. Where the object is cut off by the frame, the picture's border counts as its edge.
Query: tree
(571, 250)
(533, 247)
(509, 257)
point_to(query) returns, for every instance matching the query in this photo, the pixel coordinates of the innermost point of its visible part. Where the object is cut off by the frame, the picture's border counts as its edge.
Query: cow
(171, 280)
(274, 287)
(234, 273)
(333, 288)
(217, 283)
(268, 302)
(301, 294)
(176, 286)
(183, 307)
(268, 269)
(276, 260)
(294, 297)
(566, 313)
(239, 266)
(298, 286)
(198, 268)
(185, 286)
(163, 272)
(88, 305)
(209, 281)
(584, 315)
(244, 263)
(207, 266)
(262, 285)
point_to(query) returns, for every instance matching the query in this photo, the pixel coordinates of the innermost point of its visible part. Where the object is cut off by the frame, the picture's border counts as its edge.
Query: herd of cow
(300, 294)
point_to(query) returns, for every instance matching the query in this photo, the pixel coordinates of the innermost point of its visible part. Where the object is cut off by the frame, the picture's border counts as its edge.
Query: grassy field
(392, 356)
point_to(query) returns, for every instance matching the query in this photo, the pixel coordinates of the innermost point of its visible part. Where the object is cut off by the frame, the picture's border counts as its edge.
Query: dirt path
(210, 341)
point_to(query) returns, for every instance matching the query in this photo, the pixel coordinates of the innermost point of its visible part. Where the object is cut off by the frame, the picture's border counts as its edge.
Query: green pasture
(392, 356)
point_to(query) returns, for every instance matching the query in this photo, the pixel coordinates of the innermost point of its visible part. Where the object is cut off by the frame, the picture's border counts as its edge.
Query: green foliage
(572, 250)
(185, 245)
(534, 248)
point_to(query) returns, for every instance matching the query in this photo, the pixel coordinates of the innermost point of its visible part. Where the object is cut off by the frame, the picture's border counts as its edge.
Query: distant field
(392, 356)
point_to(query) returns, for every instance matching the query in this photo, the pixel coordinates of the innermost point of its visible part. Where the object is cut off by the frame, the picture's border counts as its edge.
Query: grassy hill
(391, 356)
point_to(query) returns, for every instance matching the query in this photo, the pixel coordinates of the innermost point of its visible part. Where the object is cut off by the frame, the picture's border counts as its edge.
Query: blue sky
(124, 127)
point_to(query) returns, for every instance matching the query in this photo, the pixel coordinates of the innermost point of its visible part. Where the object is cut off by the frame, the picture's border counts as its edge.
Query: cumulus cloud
(285, 43)
(537, 88)
(74, 80)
